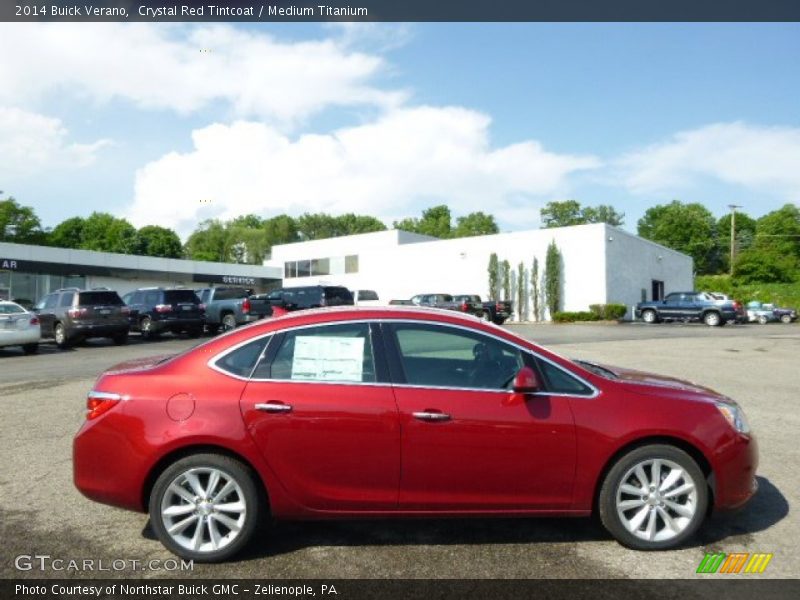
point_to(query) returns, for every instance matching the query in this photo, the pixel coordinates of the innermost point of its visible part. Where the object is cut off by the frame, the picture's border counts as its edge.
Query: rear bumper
(178, 323)
(97, 329)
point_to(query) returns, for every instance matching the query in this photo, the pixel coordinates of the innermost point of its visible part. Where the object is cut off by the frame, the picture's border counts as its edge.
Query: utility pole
(733, 208)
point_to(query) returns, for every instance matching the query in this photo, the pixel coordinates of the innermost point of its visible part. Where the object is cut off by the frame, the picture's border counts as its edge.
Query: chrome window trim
(213, 360)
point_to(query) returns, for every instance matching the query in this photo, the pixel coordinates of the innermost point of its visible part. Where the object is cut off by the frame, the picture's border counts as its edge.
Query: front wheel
(712, 319)
(205, 507)
(146, 328)
(762, 319)
(653, 498)
(649, 316)
(786, 319)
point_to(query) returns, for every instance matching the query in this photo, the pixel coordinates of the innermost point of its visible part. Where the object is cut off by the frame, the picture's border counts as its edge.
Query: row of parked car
(711, 308)
(496, 311)
(71, 315)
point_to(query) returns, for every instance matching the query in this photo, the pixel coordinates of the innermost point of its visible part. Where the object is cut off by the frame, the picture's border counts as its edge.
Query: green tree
(476, 223)
(780, 231)
(535, 290)
(570, 212)
(106, 233)
(68, 234)
(759, 265)
(19, 224)
(281, 229)
(745, 235)
(506, 269)
(160, 241)
(208, 242)
(552, 279)
(350, 224)
(435, 221)
(494, 275)
(687, 228)
(316, 226)
(522, 292)
(246, 240)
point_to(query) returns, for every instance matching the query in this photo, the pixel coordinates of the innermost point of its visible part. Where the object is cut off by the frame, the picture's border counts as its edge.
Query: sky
(170, 124)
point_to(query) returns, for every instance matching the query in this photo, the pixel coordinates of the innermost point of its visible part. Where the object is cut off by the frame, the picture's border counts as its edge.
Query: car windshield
(98, 298)
(596, 369)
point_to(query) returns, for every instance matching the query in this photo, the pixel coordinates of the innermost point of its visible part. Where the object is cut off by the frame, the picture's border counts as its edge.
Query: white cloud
(405, 161)
(762, 159)
(187, 68)
(31, 142)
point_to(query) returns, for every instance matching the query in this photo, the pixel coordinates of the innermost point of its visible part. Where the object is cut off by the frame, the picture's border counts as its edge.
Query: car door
(467, 442)
(321, 410)
(671, 307)
(45, 310)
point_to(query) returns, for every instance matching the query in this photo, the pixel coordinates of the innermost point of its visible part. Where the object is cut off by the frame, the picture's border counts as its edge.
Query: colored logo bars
(737, 562)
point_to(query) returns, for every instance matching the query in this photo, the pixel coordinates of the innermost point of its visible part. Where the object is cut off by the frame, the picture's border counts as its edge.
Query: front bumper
(734, 479)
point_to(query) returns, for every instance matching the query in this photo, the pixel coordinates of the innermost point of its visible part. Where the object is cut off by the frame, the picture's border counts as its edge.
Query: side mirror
(526, 381)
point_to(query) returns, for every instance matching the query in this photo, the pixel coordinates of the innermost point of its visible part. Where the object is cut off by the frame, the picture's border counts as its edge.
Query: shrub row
(571, 317)
(609, 312)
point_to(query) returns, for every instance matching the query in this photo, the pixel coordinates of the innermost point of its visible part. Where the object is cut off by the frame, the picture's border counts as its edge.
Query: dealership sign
(8, 264)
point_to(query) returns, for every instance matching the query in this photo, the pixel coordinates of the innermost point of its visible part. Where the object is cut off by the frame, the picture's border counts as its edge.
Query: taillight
(498, 306)
(201, 307)
(34, 321)
(464, 307)
(163, 308)
(246, 305)
(77, 312)
(125, 310)
(98, 403)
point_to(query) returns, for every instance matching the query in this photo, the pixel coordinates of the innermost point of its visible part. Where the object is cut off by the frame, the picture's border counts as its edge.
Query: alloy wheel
(656, 500)
(204, 509)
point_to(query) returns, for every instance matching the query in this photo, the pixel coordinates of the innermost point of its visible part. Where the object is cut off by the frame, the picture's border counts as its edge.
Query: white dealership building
(600, 264)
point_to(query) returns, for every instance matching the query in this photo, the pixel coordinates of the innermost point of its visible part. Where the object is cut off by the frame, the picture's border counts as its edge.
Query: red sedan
(364, 412)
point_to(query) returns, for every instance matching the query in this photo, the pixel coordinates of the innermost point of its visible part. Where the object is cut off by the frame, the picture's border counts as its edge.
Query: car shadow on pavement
(767, 508)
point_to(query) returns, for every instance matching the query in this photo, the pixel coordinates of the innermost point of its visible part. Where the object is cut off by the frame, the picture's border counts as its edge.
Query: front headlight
(735, 416)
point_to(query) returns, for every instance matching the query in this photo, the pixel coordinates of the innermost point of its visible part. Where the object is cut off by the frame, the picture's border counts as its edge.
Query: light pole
(733, 208)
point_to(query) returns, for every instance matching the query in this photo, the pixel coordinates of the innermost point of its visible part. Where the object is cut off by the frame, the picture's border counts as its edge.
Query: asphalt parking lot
(43, 399)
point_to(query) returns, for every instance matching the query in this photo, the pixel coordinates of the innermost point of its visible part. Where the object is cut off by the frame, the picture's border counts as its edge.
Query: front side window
(439, 356)
(559, 381)
(332, 353)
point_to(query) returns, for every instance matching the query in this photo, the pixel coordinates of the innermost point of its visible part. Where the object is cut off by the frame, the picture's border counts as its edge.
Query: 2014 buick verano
(352, 412)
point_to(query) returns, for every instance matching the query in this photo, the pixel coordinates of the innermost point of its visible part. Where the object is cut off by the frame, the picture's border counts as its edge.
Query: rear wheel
(228, 322)
(146, 327)
(30, 348)
(205, 507)
(653, 498)
(60, 336)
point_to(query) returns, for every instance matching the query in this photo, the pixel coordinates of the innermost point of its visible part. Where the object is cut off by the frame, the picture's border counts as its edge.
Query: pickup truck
(228, 307)
(691, 306)
(446, 302)
(496, 311)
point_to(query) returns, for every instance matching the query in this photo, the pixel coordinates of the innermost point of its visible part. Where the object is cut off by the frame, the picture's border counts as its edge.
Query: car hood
(658, 383)
(138, 364)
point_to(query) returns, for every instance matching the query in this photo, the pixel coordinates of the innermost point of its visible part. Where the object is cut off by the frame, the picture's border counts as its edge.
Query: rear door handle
(429, 415)
(274, 407)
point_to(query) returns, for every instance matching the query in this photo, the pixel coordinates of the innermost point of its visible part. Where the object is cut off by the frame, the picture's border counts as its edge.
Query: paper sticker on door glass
(324, 358)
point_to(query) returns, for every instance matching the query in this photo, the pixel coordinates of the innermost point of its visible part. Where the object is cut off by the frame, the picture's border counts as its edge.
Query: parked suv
(311, 296)
(691, 306)
(70, 315)
(156, 310)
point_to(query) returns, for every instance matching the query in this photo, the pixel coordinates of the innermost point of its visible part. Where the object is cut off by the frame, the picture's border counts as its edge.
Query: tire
(712, 319)
(649, 317)
(60, 336)
(203, 521)
(787, 319)
(762, 319)
(487, 317)
(640, 519)
(213, 329)
(120, 339)
(195, 332)
(228, 322)
(30, 348)
(146, 328)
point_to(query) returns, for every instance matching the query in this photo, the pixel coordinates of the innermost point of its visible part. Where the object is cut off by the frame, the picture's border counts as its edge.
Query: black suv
(156, 310)
(311, 296)
(70, 315)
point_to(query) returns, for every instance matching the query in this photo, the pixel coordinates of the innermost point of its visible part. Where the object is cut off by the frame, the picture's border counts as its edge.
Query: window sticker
(328, 358)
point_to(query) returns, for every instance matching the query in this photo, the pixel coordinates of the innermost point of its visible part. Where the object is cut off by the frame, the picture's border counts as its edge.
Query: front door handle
(274, 407)
(429, 415)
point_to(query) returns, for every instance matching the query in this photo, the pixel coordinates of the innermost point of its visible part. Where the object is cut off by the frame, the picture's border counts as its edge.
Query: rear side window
(340, 295)
(176, 296)
(241, 361)
(10, 309)
(307, 297)
(327, 353)
(367, 295)
(66, 299)
(96, 298)
(49, 301)
(230, 293)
